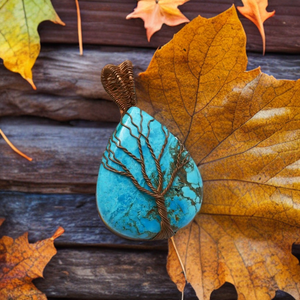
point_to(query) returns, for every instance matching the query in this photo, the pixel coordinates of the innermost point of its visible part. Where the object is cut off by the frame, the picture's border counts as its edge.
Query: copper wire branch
(157, 192)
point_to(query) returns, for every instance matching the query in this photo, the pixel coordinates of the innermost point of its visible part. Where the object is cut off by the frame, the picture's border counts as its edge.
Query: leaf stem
(79, 27)
(13, 147)
(57, 233)
(179, 258)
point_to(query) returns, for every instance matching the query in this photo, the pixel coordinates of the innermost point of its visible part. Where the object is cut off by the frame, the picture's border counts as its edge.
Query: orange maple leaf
(155, 13)
(21, 262)
(255, 11)
(242, 129)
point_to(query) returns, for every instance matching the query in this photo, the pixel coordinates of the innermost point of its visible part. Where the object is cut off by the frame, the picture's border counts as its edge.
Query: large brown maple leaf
(243, 131)
(155, 13)
(21, 262)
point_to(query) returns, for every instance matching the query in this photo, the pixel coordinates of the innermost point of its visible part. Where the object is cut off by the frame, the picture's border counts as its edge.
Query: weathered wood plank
(104, 22)
(69, 85)
(41, 214)
(66, 157)
(279, 66)
(226, 292)
(90, 273)
(93, 272)
(113, 274)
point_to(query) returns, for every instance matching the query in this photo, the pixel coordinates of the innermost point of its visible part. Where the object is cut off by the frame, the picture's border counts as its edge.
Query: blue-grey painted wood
(41, 214)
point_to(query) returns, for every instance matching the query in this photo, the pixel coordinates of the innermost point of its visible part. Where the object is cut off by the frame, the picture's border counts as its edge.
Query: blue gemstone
(124, 208)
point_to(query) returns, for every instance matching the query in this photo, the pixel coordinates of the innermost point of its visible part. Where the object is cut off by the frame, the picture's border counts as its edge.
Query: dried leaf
(178, 275)
(255, 11)
(19, 39)
(155, 13)
(254, 254)
(243, 131)
(21, 262)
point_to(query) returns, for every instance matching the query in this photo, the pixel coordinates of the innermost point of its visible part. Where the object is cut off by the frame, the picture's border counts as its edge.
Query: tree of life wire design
(118, 81)
(155, 190)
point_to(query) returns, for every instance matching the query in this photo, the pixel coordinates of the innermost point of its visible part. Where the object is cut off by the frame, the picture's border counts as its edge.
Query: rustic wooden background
(65, 125)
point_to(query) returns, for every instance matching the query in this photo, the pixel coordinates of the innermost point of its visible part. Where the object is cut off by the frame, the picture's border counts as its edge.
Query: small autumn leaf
(243, 131)
(255, 11)
(155, 13)
(21, 262)
(19, 39)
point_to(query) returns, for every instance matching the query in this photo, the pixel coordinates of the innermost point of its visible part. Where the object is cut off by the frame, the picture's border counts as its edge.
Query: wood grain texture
(68, 85)
(41, 214)
(113, 274)
(104, 23)
(110, 268)
(108, 274)
(66, 157)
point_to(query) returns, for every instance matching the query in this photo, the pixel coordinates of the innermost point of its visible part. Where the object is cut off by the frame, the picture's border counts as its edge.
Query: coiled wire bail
(118, 82)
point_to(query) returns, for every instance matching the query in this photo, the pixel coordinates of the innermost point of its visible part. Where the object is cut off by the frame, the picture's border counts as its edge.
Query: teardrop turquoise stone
(126, 210)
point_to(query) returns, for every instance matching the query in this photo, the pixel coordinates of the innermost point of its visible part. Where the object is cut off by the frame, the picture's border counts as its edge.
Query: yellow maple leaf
(155, 13)
(19, 38)
(243, 131)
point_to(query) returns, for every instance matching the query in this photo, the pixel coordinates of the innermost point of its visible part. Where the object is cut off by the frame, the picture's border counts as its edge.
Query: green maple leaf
(19, 38)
